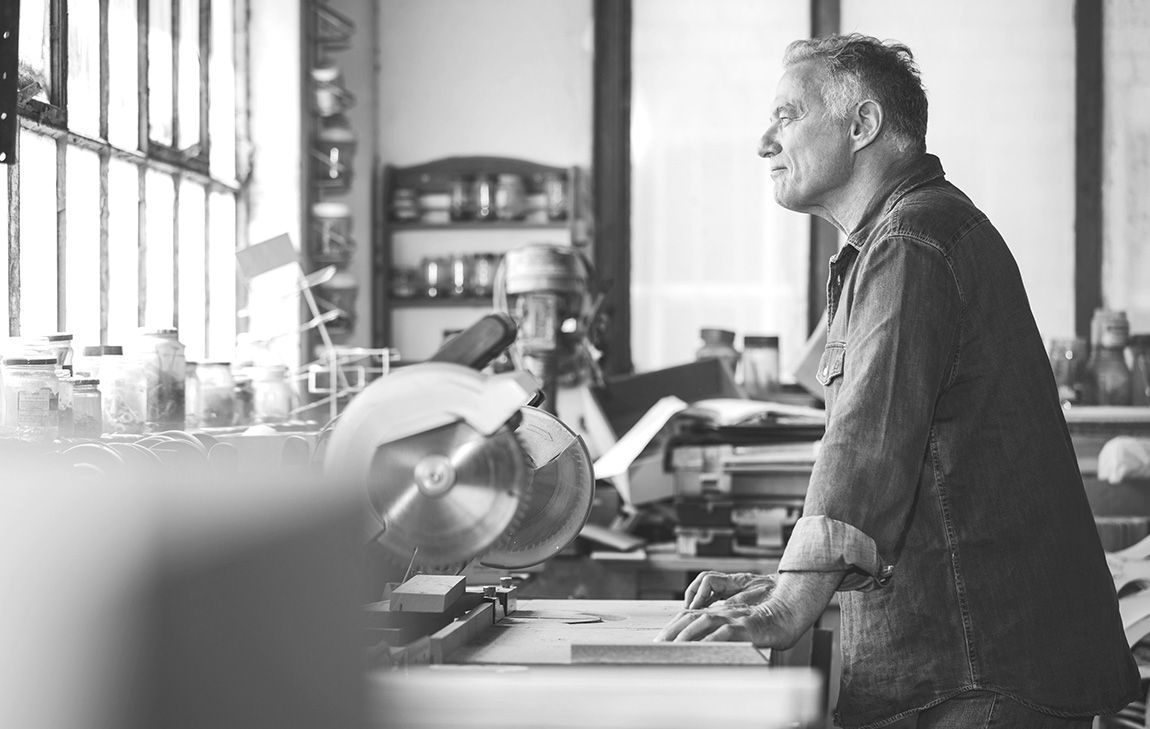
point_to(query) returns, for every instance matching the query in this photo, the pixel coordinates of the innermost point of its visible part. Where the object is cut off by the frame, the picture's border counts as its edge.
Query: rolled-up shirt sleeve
(886, 374)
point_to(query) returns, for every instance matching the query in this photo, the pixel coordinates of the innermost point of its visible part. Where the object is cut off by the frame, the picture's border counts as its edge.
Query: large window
(121, 210)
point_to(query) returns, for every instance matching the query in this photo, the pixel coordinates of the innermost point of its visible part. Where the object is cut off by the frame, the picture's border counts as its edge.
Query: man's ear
(866, 124)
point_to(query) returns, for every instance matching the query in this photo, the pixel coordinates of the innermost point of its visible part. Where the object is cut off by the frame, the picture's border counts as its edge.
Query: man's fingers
(700, 628)
(705, 589)
(673, 628)
(724, 633)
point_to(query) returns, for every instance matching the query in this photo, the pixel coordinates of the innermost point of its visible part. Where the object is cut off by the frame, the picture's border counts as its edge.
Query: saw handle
(479, 344)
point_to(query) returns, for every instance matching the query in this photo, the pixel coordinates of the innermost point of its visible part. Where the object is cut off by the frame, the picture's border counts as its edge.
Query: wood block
(461, 632)
(695, 654)
(428, 593)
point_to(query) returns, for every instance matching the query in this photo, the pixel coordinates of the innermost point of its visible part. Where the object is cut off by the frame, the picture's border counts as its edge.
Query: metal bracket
(9, 78)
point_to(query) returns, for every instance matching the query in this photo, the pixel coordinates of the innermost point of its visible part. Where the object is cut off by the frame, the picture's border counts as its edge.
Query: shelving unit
(405, 243)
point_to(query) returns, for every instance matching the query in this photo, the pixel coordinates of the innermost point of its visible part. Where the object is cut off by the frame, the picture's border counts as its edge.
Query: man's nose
(768, 145)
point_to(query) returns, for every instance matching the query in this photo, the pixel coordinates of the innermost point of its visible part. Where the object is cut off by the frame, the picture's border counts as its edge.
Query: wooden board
(428, 593)
(543, 631)
(675, 654)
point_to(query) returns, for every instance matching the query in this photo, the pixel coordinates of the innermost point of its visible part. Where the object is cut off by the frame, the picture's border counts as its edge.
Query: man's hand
(772, 614)
(709, 587)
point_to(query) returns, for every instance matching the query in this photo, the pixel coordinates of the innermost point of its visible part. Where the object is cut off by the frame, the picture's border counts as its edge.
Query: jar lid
(82, 381)
(38, 361)
(510, 177)
(766, 340)
(720, 333)
(100, 350)
(59, 337)
(330, 209)
(161, 332)
(213, 363)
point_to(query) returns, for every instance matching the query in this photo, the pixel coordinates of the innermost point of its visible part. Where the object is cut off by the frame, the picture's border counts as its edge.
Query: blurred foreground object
(176, 598)
(577, 697)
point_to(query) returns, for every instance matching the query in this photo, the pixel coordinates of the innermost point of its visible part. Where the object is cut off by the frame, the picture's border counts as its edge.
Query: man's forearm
(798, 600)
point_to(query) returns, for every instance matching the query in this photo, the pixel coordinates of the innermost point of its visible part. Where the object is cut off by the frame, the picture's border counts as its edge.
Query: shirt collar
(925, 169)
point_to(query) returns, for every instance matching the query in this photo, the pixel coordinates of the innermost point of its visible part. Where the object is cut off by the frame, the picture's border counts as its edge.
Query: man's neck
(872, 180)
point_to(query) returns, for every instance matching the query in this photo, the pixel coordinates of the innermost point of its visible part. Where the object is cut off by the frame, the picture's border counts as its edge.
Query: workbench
(519, 673)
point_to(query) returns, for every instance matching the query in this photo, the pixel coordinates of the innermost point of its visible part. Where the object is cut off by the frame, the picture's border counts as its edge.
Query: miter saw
(457, 466)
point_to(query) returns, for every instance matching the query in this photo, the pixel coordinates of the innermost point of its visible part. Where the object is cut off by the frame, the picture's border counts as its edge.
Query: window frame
(193, 165)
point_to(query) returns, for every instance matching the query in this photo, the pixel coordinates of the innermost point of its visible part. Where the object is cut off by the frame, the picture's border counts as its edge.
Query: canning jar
(331, 232)
(31, 397)
(122, 389)
(60, 345)
(483, 197)
(244, 397)
(719, 344)
(1068, 361)
(215, 394)
(271, 394)
(1110, 330)
(161, 358)
(759, 366)
(510, 197)
(1139, 346)
(86, 407)
(462, 205)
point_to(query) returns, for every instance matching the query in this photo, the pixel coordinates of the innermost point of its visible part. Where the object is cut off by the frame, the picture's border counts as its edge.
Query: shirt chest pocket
(831, 364)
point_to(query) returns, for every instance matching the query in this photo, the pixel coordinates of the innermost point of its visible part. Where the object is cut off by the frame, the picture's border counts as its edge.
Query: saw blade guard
(443, 475)
(560, 496)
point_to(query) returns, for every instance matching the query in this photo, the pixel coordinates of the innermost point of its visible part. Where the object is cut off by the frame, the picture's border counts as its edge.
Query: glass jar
(123, 390)
(759, 366)
(1069, 363)
(191, 396)
(87, 413)
(483, 197)
(244, 397)
(331, 232)
(60, 345)
(461, 274)
(31, 397)
(436, 276)
(333, 151)
(555, 190)
(483, 266)
(510, 197)
(719, 344)
(1110, 373)
(161, 358)
(271, 394)
(1139, 349)
(215, 394)
(462, 205)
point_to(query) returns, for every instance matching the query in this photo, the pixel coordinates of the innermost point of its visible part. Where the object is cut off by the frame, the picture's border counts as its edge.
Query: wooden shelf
(442, 301)
(476, 225)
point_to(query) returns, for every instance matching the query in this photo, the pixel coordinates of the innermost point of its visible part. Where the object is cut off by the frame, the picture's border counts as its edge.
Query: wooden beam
(826, 18)
(1088, 111)
(611, 176)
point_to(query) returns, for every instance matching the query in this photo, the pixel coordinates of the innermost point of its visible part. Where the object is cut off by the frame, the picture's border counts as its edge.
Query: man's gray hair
(862, 67)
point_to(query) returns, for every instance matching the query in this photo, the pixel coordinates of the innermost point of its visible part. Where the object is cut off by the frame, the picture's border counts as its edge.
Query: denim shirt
(946, 485)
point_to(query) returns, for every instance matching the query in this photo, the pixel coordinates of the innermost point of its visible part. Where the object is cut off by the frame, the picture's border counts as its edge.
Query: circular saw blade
(439, 490)
(446, 495)
(558, 500)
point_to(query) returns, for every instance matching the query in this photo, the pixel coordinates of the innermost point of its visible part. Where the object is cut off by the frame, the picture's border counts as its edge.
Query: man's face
(807, 149)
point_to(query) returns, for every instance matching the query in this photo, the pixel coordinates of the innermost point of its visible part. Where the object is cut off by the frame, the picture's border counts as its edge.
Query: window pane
(193, 302)
(4, 251)
(82, 301)
(222, 282)
(189, 68)
(35, 46)
(160, 71)
(37, 234)
(222, 80)
(701, 87)
(123, 251)
(159, 197)
(123, 81)
(84, 68)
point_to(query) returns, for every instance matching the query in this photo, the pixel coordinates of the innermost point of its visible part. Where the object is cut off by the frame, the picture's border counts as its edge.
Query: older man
(946, 504)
